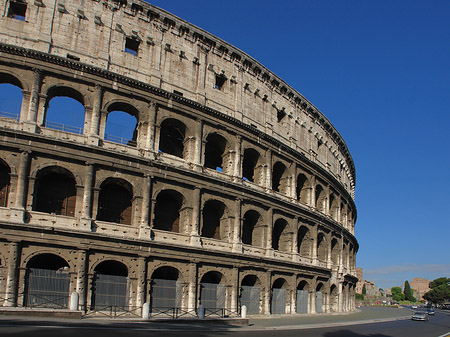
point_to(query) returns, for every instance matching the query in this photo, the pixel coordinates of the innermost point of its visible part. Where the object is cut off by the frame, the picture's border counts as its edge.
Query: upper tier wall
(146, 43)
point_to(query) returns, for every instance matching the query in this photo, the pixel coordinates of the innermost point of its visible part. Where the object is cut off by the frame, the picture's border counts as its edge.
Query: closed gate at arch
(278, 305)
(302, 301)
(165, 294)
(47, 288)
(212, 296)
(319, 301)
(250, 298)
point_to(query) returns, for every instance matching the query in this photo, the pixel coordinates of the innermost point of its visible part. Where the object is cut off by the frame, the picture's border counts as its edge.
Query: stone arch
(55, 191)
(250, 294)
(115, 202)
(110, 285)
(251, 167)
(320, 198)
(304, 242)
(166, 288)
(122, 122)
(5, 183)
(333, 206)
(303, 188)
(11, 93)
(11, 77)
(217, 154)
(334, 298)
(172, 137)
(278, 301)
(322, 249)
(213, 290)
(253, 229)
(302, 297)
(280, 179)
(320, 298)
(63, 165)
(335, 251)
(214, 220)
(167, 211)
(281, 235)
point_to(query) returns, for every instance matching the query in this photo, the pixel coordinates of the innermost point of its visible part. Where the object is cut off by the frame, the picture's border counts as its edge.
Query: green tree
(440, 291)
(397, 294)
(408, 292)
(364, 290)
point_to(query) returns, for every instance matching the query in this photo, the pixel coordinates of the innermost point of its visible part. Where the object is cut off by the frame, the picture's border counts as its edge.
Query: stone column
(236, 239)
(21, 191)
(312, 300)
(192, 297)
(234, 290)
(141, 281)
(267, 293)
(150, 141)
(268, 179)
(314, 246)
(33, 105)
(87, 194)
(295, 253)
(340, 298)
(94, 129)
(268, 240)
(237, 170)
(198, 148)
(144, 228)
(312, 202)
(81, 278)
(13, 275)
(195, 228)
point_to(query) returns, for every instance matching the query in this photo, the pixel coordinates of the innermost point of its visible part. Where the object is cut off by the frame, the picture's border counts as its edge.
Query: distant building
(360, 283)
(420, 286)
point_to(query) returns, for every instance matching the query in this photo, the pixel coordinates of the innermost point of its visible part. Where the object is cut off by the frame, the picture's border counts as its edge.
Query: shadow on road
(348, 333)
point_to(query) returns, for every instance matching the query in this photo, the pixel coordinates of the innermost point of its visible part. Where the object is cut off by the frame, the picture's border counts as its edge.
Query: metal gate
(250, 298)
(318, 301)
(302, 302)
(212, 296)
(165, 294)
(47, 288)
(278, 305)
(110, 291)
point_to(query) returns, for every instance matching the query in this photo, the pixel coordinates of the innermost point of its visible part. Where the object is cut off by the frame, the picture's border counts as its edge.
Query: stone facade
(232, 180)
(420, 286)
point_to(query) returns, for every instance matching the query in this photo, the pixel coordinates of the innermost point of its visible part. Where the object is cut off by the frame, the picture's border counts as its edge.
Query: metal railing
(9, 115)
(220, 312)
(120, 140)
(63, 127)
(173, 313)
(113, 311)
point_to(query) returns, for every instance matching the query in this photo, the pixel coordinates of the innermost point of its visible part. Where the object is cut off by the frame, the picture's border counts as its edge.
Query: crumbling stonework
(232, 179)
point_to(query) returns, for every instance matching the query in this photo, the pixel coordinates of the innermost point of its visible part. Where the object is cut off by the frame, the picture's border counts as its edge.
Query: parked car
(420, 316)
(414, 307)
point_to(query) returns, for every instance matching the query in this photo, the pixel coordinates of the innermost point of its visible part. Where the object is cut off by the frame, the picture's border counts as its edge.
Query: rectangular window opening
(220, 81)
(17, 10)
(131, 46)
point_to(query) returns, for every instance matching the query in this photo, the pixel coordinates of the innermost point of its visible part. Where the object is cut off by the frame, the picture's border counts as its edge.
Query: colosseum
(230, 189)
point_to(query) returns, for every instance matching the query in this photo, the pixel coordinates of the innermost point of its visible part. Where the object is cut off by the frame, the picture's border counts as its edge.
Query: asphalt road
(438, 325)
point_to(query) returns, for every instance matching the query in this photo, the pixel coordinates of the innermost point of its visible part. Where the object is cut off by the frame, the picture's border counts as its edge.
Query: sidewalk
(361, 316)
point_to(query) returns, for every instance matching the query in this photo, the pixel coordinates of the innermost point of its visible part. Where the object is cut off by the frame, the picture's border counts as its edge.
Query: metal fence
(319, 301)
(47, 288)
(120, 140)
(110, 291)
(165, 294)
(10, 115)
(302, 302)
(212, 295)
(250, 298)
(278, 305)
(63, 127)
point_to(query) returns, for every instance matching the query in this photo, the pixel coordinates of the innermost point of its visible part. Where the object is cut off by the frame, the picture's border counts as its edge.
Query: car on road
(430, 311)
(420, 316)
(414, 307)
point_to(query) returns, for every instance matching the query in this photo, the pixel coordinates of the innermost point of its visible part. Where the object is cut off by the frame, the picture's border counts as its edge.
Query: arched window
(214, 152)
(279, 179)
(115, 202)
(302, 298)
(319, 297)
(320, 198)
(213, 212)
(64, 110)
(121, 124)
(334, 252)
(47, 282)
(333, 206)
(55, 192)
(4, 184)
(171, 139)
(167, 211)
(248, 228)
(304, 242)
(321, 248)
(281, 237)
(166, 289)
(212, 291)
(110, 286)
(249, 171)
(278, 303)
(10, 97)
(302, 189)
(250, 294)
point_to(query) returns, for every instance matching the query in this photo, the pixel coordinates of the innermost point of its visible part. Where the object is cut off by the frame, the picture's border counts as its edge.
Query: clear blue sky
(380, 72)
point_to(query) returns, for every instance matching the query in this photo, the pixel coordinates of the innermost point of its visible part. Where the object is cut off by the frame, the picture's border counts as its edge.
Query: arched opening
(212, 292)
(333, 206)
(115, 201)
(5, 182)
(334, 252)
(250, 294)
(249, 163)
(252, 231)
(215, 151)
(167, 211)
(213, 213)
(121, 124)
(321, 248)
(55, 192)
(344, 215)
(302, 298)
(302, 189)
(278, 302)
(171, 139)
(281, 237)
(320, 198)
(304, 242)
(351, 257)
(334, 299)
(64, 110)
(166, 289)
(11, 97)
(319, 297)
(47, 282)
(110, 286)
(279, 179)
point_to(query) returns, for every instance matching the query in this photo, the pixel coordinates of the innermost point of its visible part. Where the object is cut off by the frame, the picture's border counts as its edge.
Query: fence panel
(166, 294)
(250, 298)
(110, 290)
(319, 301)
(302, 301)
(47, 288)
(278, 305)
(212, 296)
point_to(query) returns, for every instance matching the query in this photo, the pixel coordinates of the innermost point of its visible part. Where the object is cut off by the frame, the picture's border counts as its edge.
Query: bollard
(244, 311)
(74, 297)
(201, 311)
(146, 311)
